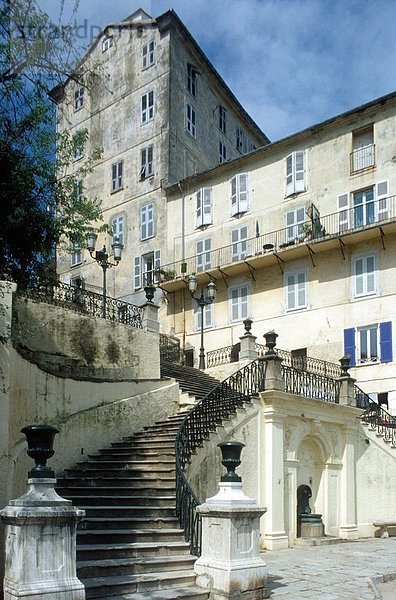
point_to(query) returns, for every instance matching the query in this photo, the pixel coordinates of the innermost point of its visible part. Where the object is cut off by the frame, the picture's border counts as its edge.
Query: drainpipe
(184, 265)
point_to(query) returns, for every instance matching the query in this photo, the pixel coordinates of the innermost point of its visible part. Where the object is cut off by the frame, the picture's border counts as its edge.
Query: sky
(291, 63)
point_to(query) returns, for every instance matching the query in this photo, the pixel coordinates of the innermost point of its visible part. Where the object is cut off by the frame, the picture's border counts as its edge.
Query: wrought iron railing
(335, 224)
(170, 350)
(363, 158)
(376, 417)
(222, 356)
(311, 385)
(203, 419)
(87, 302)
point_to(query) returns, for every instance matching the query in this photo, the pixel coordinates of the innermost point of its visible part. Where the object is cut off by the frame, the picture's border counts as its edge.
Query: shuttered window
(239, 194)
(295, 173)
(204, 207)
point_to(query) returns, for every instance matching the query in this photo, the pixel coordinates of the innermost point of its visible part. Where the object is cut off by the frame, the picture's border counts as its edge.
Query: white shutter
(382, 201)
(243, 195)
(289, 175)
(234, 196)
(199, 211)
(150, 220)
(157, 259)
(370, 271)
(343, 212)
(299, 171)
(207, 206)
(143, 223)
(138, 273)
(359, 277)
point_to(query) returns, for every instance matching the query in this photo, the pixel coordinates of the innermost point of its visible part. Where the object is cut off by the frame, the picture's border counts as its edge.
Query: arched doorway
(310, 473)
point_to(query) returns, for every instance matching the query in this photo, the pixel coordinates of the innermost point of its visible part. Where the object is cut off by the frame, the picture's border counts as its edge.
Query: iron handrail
(376, 417)
(311, 385)
(87, 302)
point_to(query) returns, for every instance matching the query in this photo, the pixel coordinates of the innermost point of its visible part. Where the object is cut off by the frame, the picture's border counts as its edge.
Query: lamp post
(202, 301)
(102, 258)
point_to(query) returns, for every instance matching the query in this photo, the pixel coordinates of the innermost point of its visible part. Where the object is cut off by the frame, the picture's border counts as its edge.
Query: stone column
(348, 521)
(41, 545)
(230, 564)
(150, 317)
(275, 536)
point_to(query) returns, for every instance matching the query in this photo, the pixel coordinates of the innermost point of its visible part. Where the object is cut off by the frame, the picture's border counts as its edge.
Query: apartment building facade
(299, 236)
(158, 109)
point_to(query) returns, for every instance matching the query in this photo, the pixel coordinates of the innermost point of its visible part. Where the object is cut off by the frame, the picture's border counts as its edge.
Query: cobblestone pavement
(361, 570)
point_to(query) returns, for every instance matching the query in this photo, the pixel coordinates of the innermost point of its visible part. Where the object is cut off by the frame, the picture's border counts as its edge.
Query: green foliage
(42, 200)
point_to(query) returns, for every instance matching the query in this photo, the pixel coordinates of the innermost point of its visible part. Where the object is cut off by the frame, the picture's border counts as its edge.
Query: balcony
(362, 158)
(339, 230)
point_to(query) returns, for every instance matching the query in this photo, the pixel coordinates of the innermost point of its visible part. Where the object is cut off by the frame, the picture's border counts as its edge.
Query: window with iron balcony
(363, 149)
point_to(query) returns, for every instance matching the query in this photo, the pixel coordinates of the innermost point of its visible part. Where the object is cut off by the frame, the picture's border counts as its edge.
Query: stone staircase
(191, 381)
(130, 545)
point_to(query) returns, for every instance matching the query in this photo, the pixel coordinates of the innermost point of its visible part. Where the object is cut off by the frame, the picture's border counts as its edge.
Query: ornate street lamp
(102, 258)
(202, 301)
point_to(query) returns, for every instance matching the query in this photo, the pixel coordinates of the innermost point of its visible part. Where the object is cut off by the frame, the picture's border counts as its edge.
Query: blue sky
(291, 63)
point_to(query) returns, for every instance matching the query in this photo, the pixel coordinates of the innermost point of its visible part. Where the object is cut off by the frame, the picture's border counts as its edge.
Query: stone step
(120, 502)
(115, 511)
(106, 587)
(122, 477)
(102, 523)
(145, 444)
(190, 593)
(110, 536)
(132, 566)
(128, 465)
(151, 436)
(131, 550)
(107, 486)
(134, 453)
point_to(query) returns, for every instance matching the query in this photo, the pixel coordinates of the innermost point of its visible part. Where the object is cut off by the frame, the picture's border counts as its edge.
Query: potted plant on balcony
(306, 230)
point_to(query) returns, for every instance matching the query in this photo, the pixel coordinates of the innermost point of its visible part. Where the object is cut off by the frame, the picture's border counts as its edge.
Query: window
(192, 80)
(79, 190)
(107, 43)
(239, 303)
(243, 144)
(296, 290)
(147, 107)
(116, 176)
(117, 225)
(294, 222)
(79, 98)
(364, 275)
(362, 156)
(239, 243)
(191, 121)
(145, 267)
(222, 152)
(239, 194)
(363, 207)
(204, 260)
(295, 172)
(147, 163)
(204, 207)
(369, 344)
(207, 316)
(222, 119)
(75, 255)
(148, 57)
(147, 221)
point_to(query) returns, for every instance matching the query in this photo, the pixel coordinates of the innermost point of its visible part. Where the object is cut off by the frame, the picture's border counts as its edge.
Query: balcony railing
(363, 158)
(340, 223)
(84, 301)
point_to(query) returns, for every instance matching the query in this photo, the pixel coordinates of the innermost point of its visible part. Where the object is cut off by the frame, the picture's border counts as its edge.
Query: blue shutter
(386, 341)
(349, 344)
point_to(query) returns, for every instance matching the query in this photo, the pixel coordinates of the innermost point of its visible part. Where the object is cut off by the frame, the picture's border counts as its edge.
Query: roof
(284, 142)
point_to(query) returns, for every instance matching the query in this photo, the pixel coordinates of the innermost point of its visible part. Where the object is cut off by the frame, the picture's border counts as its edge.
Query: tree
(41, 200)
